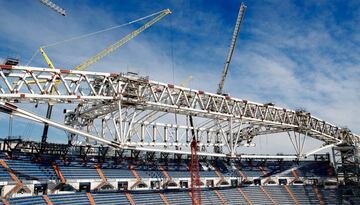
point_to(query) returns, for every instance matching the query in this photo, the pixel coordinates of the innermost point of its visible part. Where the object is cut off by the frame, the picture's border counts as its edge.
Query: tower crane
(121, 42)
(239, 20)
(96, 58)
(194, 168)
(54, 7)
(185, 82)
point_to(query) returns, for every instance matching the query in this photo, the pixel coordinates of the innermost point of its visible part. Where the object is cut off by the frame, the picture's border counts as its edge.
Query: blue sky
(297, 54)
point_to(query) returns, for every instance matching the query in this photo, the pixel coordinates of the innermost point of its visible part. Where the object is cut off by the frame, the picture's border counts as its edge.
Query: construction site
(130, 139)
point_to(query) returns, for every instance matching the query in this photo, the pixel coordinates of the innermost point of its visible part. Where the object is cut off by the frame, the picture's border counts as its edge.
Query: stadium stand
(279, 194)
(75, 170)
(108, 198)
(4, 175)
(27, 200)
(179, 197)
(182, 197)
(27, 170)
(233, 196)
(210, 197)
(77, 199)
(305, 194)
(112, 182)
(331, 196)
(145, 198)
(37, 170)
(255, 194)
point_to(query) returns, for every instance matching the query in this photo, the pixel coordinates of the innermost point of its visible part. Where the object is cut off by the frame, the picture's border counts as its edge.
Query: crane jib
(239, 20)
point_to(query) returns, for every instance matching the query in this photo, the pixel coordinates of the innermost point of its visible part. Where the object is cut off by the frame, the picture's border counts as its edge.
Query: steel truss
(347, 163)
(134, 112)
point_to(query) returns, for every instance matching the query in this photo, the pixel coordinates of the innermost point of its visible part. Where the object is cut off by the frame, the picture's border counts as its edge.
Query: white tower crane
(232, 47)
(54, 7)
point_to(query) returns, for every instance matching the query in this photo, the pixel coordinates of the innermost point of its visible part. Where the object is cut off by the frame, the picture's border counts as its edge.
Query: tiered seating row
(4, 175)
(27, 200)
(71, 199)
(44, 171)
(233, 196)
(256, 195)
(27, 170)
(279, 194)
(110, 198)
(78, 171)
(331, 196)
(303, 194)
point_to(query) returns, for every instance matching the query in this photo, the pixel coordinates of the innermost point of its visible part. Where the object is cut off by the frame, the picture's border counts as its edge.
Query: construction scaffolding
(346, 160)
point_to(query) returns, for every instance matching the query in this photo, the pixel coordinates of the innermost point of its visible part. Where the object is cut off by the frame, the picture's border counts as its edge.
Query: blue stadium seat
(27, 170)
(71, 199)
(233, 196)
(331, 196)
(256, 195)
(178, 198)
(279, 194)
(28, 200)
(304, 196)
(109, 198)
(209, 197)
(147, 198)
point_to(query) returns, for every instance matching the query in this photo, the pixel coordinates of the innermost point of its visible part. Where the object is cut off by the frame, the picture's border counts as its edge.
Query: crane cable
(93, 33)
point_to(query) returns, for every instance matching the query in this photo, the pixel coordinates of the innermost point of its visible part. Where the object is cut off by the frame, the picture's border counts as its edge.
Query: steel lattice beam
(136, 111)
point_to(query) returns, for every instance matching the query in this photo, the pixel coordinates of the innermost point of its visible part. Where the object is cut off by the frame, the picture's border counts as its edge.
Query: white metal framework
(134, 112)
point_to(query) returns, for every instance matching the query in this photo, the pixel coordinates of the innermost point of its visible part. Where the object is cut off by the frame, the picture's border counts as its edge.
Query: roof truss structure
(133, 112)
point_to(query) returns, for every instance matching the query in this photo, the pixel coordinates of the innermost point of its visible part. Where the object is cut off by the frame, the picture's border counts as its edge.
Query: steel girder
(135, 111)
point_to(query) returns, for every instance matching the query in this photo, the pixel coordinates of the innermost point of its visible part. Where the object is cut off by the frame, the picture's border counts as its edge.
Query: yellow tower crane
(186, 81)
(121, 42)
(112, 47)
(98, 57)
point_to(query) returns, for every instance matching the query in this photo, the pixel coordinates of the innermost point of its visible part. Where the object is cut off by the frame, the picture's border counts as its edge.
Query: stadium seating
(279, 194)
(110, 198)
(148, 171)
(233, 196)
(116, 171)
(178, 198)
(145, 198)
(304, 195)
(209, 197)
(330, 196)
(27, 170)
(315, 169)
(71, 199)
(255, 194)
(281, 168)
(4, 175)
(250, 170)
(75, 169)
(226, 170)
(27, 200)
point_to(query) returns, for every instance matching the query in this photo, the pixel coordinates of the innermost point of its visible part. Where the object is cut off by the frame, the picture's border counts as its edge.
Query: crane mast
(194, 168)
(232, 47)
